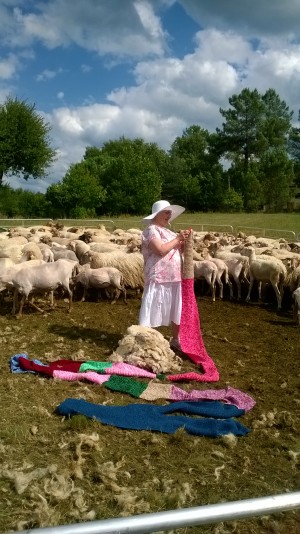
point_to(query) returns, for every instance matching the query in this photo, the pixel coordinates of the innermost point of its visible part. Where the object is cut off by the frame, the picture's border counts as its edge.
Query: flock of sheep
(42, 259)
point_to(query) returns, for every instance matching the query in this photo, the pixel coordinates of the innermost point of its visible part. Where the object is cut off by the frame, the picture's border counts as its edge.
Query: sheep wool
(146, 348)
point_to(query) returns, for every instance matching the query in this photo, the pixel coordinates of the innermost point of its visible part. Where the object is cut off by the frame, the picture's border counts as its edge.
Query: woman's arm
(162, 249)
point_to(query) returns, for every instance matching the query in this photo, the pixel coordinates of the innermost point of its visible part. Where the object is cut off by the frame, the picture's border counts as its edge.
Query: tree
(240, 138)
(77, 195)
(276, 178)
(130, 172)
(255, 138)
(194, 175)
(24, 140)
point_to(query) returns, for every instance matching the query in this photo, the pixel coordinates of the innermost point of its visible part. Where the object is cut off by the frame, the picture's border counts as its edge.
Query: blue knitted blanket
(218, 420)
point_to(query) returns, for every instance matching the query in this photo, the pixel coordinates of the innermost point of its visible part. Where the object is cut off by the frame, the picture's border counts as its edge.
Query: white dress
(161, 301)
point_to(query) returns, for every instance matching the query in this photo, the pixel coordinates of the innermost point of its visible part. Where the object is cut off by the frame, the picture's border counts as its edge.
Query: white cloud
(8, 67)
(250, 17)
(86, 68)
(92, 25)
(239, 46)
(48, 75)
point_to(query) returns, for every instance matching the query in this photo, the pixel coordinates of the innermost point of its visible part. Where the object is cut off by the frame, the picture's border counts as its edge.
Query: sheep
(5, 263)
(103, 277)
(292, 279)
(46, 251)
(238, 265)
(79, 247)
(31, 251)
(206, 270)
(130, 265)
(296, 297)
(10, 269)
(14, 252)
(17, 240)
(223, 271)
(63, 253)
(107, 247)
(42, 279)
(264, 270)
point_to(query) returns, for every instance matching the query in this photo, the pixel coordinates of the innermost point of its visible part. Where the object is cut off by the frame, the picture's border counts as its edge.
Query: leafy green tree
(24, 140)
(130, 172)
(255, 139)
(194, 164)
(276, 178)
(239, 138)
(247, 184)
(78, 192)
(276, 123)
(232, 201)
(33, 205)
(9, 202)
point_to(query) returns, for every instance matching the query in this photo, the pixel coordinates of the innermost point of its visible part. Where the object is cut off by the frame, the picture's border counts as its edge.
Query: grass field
(275, 225)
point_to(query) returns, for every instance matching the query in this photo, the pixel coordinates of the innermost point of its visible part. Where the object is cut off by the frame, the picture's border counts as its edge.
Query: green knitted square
(98, 367)
(125, 385)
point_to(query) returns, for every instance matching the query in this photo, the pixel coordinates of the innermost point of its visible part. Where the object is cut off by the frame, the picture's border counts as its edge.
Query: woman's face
(163, 218)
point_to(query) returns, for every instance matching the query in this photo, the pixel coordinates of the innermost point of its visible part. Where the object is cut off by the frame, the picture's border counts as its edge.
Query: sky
(98, 70)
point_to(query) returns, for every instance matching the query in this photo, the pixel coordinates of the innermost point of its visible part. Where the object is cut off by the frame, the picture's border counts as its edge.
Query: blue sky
(101, 69)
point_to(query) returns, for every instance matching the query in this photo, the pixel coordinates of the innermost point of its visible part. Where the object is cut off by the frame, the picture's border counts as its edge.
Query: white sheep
(46, 251)
(8, 271)
(222, 273)
(267, 270)
(296, 297)
(206, 270)
(103, 277)
(130, 265)
(63, 253)
(42, 278)
(31, 251)
(238, 265)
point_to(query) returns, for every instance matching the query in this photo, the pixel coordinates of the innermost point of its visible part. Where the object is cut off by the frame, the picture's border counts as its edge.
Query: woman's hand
(182, 235)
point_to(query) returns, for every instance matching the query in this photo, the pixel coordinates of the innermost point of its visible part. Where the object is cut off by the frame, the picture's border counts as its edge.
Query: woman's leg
(175, 330)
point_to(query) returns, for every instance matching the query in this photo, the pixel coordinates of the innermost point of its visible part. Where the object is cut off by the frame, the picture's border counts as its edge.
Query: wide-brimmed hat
(162, 205)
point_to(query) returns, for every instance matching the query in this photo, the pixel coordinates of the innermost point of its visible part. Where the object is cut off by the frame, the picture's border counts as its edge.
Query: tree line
(251, 162)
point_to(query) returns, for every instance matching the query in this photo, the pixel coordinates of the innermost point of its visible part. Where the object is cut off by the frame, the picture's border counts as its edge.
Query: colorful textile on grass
(157, 418)
(150, 391)
(156, 391)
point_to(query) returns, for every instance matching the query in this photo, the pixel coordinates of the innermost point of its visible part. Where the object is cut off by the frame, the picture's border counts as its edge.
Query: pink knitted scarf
(191, 338)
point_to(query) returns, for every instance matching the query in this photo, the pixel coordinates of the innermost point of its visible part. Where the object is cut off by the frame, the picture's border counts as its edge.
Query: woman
(161, 248)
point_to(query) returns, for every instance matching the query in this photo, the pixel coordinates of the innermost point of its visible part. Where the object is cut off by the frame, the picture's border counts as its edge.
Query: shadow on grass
(86, 334)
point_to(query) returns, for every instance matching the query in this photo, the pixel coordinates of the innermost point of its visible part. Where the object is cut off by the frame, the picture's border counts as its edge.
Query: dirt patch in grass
(55, 471)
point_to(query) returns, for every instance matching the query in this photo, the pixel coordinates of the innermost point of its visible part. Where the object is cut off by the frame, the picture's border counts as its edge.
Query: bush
(232, 202)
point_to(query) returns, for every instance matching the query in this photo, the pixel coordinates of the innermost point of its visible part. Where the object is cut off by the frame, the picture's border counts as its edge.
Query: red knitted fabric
(191, 338)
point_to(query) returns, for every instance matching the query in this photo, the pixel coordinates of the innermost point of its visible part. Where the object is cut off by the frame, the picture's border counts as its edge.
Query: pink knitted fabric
(125, 369)
(190, 334)
(91, 376)
(228, 395)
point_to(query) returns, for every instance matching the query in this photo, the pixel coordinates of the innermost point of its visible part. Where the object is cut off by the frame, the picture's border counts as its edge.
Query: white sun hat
(162, 205)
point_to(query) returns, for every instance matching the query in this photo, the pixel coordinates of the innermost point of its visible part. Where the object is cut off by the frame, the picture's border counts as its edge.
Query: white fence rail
(266, 232)
(187, 517)
(225, 228)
